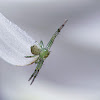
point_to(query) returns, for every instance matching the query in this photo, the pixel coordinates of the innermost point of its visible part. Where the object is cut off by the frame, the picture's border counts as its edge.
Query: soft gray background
(74, 61)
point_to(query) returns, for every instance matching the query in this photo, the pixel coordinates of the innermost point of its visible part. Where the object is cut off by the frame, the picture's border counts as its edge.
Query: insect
(18, 48)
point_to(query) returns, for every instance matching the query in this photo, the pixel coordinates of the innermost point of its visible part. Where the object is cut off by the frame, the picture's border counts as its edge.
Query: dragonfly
(19, 49)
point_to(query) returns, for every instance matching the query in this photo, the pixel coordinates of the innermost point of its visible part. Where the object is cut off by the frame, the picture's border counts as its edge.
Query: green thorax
(44, 53)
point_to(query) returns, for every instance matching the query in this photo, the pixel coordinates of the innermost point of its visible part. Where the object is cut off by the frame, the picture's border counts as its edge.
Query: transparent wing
(15, 43)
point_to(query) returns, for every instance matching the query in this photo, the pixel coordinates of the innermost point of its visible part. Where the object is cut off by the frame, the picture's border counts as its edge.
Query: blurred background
(72, 71)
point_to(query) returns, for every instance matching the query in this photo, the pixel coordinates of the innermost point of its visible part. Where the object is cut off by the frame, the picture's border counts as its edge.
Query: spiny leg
(39, 65)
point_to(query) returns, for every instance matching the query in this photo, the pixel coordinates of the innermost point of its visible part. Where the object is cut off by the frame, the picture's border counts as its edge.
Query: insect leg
(30, 56)
(41, 44)
(34, 75)
(55, 35)
(39, 65)
(37, 60)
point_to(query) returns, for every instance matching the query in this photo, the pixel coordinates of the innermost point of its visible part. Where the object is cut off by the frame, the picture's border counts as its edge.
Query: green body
(42, 52)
